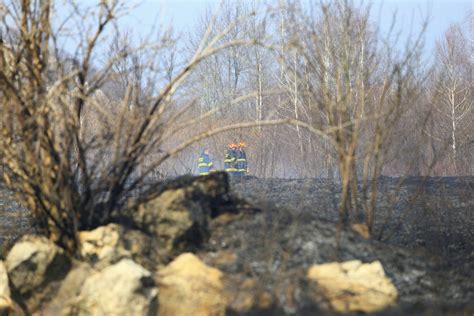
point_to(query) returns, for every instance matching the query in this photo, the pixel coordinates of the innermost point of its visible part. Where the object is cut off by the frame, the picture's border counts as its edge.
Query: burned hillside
(275, 158)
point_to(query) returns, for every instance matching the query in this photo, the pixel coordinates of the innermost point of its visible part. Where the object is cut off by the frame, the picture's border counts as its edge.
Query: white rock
(190, 287)
(353, 286)
(5, 300)
(34, 261)
(124, 288)
(107, 245)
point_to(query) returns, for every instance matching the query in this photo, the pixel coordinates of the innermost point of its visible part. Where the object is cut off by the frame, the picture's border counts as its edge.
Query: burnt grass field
(435, 214)
(14, 219)
(423, 235)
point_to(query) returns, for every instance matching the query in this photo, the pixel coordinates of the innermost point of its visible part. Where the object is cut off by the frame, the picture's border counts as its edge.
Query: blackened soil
(14, 219)
(434, 214)
(423, 237)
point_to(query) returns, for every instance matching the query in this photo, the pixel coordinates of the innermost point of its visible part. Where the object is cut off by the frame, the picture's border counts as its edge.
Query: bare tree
(356, 86)
(452, 91)
(71, 173)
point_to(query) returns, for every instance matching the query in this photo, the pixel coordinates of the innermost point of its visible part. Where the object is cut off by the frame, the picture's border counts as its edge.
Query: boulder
(109, 244)
(178, 218)
(124, 288)
(68, 290)
(35, 261)
(353, 286)
(189, 287)
(175, 220)
(5, 300)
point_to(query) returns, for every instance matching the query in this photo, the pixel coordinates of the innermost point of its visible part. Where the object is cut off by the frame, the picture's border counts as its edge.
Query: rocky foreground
(257, 247)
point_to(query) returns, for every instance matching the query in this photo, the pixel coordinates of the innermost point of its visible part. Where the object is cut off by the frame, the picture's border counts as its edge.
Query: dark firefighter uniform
(242, 166)
(204, 164)
(230, 159)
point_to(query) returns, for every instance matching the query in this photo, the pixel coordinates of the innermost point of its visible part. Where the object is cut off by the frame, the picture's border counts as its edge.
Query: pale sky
(183, 14)
(442, 13)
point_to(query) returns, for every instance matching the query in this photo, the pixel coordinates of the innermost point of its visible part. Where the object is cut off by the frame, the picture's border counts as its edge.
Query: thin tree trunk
(453, 131)
(295, 105)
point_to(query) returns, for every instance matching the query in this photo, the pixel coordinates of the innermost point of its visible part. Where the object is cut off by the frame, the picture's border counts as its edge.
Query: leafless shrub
(74, 155)
(356, 84)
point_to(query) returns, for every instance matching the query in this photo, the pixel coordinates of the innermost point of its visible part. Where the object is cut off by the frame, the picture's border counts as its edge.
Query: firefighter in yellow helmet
(230, 159)
(242, 165)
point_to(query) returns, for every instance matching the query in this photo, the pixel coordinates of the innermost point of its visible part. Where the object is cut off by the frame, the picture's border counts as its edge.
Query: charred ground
(423, 236)
(432, 213)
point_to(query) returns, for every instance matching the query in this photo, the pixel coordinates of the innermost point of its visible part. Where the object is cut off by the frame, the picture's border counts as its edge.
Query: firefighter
(242, 165)
(230, 159)
(204, 163)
